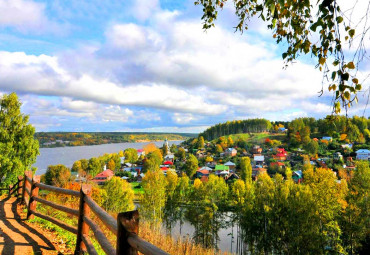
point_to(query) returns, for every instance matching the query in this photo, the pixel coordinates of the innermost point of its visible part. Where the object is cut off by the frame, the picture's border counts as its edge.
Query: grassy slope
(257, 138)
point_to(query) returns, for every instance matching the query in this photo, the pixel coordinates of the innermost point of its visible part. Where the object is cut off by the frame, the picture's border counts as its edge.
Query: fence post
(26, 173)
(20, 184)
(127, 222)
(10, 190)
(83, 228)
(34, 193)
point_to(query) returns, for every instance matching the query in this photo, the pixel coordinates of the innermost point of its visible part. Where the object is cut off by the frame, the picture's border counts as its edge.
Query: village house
(277, 164)
(231, 165)
(169, 157)
(259, 159)
(257, 149)
(337, 156)
(230, 152)
(362, 154)
(104, 176)
(297, 176)
(201, 173)
(256, 171)
(140, 152)
(327, 138)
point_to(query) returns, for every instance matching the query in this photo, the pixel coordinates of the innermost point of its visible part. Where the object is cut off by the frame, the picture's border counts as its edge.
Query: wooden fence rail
(126, 225)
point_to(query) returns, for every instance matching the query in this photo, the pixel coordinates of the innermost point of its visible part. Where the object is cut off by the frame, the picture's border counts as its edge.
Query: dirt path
(20, 237)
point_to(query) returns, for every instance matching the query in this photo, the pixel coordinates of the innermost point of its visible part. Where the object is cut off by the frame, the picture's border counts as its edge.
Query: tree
(246, 169)
(111, 165)
(130, 155)
(57, 175)
(181, 154)
(230, 142)
(298, 24)
(149, 148)
(121, 195)
(94, 167)
(154, 197)
(191, 165)
(219, 149)
(312, 147)
(18, 148)
(76, 167)
(200, 142)
(84, 164)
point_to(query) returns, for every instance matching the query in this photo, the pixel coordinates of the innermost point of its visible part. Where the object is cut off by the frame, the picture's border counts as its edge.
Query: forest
(60, 139)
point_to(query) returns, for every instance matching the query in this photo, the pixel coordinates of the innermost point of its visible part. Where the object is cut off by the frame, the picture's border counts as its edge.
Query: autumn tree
(130, 155)
(149, 148)
(181, 154)
(18, 148)
(57, 175)
(246, 169)
(121, 195)
(94, 167)
(154, 197)
(111, 165)
(191, 165)
(200, 142)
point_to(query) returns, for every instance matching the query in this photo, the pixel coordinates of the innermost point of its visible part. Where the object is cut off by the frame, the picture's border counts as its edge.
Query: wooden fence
(126, 225)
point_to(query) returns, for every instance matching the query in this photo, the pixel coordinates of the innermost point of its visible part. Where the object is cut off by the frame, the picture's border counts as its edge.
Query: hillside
(60, 139)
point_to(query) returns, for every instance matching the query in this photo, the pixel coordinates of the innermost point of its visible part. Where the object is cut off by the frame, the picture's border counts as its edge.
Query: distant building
(140, 152)
(257, 149)
(259, 159)
(362, 154)
(297, 176)
(327, 138)
(230, 152)
(231, 165)
(201, 173)
(337, 156)
(256, 171)
(104, 176)
(169, 157)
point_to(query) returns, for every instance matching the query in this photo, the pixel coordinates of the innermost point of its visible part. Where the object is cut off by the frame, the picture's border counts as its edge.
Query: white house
(259, 159)
(363, 154)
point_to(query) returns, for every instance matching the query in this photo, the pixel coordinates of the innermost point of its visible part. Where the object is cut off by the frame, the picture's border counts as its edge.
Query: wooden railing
(126, 225)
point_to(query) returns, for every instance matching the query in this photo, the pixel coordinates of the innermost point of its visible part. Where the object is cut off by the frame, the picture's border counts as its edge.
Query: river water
(68, 155)
(226, 235)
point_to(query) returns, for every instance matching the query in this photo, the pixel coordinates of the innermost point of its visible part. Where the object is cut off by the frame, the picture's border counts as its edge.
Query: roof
(363, 151)
(276, 163)
(230, 149)
(205, 168)
(327, 138)
(221, 167)
(140, 150)
(164, 168)
(203, 171)
(106, 173)
(169, 156)
(259, 158)
(299, 173)
(280, 155)
(168, 163)
(229, 164)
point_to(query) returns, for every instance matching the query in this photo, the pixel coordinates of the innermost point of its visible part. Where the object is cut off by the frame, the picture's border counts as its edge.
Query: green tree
(94, 167)
(191, 165)
(84, 164)
(181, 154)
(121, 195)
(312, 147)
(130, 155)
(298, 24)
(57, 175)
(76, 167)
(18, 148)
(246, 169)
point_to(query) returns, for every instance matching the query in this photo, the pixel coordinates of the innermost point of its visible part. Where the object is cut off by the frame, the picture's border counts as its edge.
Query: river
(68, 155)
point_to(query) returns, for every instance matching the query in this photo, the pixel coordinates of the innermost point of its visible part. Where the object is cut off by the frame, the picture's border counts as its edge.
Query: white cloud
(143, 9)
(27, 16)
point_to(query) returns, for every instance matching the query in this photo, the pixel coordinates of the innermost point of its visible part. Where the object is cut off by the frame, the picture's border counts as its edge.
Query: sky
(147, 65)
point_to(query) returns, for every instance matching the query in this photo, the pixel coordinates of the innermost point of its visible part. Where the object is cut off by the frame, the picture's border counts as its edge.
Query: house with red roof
(202, 172)
(104, 176)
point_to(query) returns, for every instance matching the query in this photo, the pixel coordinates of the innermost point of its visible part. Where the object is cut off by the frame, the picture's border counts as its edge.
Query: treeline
(236, 127)
(60, 139)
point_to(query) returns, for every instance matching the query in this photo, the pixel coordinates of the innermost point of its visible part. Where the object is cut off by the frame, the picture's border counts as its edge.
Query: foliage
(18, 148)
(120, 197)
(246, 169)
(94, 167)
(57, 175)
(191, 165)
(130, 155)
(154, 197)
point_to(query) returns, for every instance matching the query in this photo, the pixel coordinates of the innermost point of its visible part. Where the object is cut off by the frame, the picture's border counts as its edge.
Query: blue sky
(147, 65)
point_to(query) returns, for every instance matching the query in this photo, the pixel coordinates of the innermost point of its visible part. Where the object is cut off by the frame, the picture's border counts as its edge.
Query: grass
(137, 188)
(257, 138)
